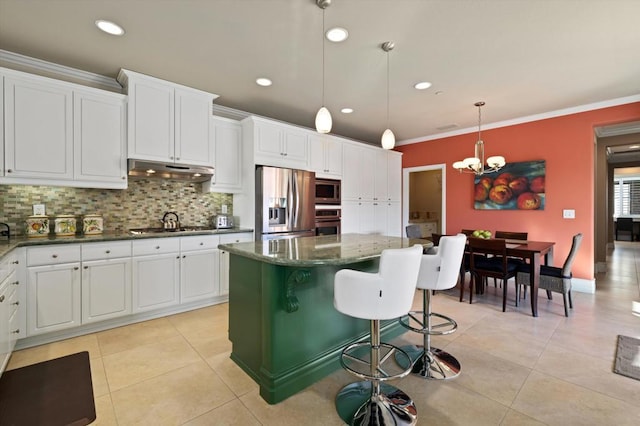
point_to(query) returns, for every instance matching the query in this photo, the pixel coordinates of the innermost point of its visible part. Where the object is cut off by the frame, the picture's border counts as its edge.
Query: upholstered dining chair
(414, 231)
(510, 235)
(552, 278)
(624, 225)
(496, 264)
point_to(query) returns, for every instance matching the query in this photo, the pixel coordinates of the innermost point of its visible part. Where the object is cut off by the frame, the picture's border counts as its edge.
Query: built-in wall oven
(327, 220)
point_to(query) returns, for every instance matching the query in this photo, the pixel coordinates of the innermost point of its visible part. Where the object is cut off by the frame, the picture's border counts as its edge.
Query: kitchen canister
(92, 224)
(65, 225)
(37, 226)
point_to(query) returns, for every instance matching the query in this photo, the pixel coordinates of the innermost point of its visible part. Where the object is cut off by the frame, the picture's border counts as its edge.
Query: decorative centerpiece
(37, 226)
(92, 224)
(65, 225)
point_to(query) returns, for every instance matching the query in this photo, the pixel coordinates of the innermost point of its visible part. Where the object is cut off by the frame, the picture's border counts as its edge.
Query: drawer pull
(2, 298)
(17, 303)
(108, 251)
(55, 256)
(16, 283)
(75, 268)
(86, 267)
(178, 257)
(157, 247)
(16, 331)
(184, 255)
(15, 262)
(201, 244)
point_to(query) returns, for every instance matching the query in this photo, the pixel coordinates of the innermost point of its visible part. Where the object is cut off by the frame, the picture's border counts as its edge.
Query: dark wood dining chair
(488, 258)
(510, 235)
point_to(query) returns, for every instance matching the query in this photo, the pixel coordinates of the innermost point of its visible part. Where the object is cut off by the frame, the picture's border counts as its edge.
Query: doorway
(424, 198)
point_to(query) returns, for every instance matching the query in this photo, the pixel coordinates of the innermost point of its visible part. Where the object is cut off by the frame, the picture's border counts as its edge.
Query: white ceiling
(523, 57)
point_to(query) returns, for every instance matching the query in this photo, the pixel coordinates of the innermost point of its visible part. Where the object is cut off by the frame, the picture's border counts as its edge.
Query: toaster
(224, 221)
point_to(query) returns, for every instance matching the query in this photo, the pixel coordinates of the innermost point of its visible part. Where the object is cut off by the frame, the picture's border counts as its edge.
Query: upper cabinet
(276, 144)
(62, 133)
(325, 156)
(167, 122)
(371, 174)
(226, 137)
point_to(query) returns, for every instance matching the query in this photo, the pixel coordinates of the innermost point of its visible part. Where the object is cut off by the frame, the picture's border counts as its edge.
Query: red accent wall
(567, 144)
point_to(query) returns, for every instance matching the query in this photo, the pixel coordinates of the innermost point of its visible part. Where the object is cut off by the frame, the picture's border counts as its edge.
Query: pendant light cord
(322, 57)
(387, 89)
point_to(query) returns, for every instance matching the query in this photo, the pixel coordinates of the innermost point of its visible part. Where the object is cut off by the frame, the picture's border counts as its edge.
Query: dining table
(532, 252)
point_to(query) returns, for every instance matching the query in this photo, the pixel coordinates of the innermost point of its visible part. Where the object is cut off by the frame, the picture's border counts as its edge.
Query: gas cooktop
(141, 231)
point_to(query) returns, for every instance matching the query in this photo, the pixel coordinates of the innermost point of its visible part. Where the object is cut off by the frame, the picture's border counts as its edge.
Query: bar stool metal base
(435, 364)
(356, 405)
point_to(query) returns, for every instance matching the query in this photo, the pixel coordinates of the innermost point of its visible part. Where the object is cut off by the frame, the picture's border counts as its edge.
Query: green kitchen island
(286, 333)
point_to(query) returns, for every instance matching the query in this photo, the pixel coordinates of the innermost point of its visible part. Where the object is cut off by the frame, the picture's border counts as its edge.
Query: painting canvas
(517, 186)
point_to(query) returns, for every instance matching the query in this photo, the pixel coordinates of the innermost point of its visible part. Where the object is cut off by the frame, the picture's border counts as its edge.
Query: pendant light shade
(388, 138)
(323, 116)
(323, 120)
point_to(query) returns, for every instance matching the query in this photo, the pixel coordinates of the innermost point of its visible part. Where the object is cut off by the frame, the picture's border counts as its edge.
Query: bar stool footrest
(445, 327)
(394, 362)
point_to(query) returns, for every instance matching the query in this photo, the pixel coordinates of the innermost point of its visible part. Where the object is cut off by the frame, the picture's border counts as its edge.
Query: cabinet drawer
(53, 254)
(156, 246)
(108, 250)
(236, 238)
(8, 264)
(199, 242)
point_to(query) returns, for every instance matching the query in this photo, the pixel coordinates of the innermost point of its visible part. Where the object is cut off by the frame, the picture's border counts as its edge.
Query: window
(626, 197)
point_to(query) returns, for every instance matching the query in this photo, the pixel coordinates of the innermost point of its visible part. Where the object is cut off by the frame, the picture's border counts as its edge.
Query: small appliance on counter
(223, 221)
(92, 224)
(65, 225)
(37, 226)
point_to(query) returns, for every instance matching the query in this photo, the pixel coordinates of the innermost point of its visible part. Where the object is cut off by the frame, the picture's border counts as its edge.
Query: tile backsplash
(141, 205)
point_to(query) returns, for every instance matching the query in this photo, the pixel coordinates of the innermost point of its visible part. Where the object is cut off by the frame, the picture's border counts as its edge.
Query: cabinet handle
(123, 177)
(157, 247)
(9, 170)
(16, 283)
(177, 257)
(2, 298)
(17, 303)
(16, 331)
(15, 262)
(55, 256)
(108, 251)
(170, 157)
(86, 267)
(184, 255)
(75, 268)
(177, 158)
(201, 244)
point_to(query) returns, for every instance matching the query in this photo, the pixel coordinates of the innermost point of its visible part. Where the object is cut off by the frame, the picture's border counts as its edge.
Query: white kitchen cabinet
(359, 172)
(11, 326)
(53, 288)
(277, 144)
(325, 156)
(226, 136)
(100, 138)
(106, 280)
(167, 122)
(224, 257)
(60, 133)
(156, 274)
(199, 267)
(38, 121)
(394, 176)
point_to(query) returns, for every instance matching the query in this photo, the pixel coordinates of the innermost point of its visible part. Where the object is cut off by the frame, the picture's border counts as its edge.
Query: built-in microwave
(327, 191)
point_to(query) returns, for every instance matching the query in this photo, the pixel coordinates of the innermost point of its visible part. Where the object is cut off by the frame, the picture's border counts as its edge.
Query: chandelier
(476, 163)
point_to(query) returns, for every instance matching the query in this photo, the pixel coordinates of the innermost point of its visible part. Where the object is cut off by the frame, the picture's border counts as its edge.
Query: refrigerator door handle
(296, 200)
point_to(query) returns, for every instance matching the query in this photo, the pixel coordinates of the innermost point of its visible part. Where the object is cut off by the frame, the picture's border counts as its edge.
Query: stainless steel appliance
(284, 203)
(327, 191)
(223, 221)
(158, 170)
(327, 221)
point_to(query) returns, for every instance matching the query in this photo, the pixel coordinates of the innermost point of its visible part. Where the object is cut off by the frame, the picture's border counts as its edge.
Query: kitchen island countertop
(23, 241)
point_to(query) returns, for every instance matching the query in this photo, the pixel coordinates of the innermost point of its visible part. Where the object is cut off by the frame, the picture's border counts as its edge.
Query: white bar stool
(438, 271)
(387, 294)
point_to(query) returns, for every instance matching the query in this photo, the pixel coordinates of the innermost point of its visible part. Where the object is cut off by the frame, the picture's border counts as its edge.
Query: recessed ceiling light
(110, 27)
(265, 82)
(337, 34)
(346, 110)
(422, 85)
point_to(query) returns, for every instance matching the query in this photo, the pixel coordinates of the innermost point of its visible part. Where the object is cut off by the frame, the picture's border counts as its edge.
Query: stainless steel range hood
(157, 170)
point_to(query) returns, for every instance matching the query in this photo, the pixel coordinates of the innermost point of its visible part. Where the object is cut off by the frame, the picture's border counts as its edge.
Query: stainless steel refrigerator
(285, 203)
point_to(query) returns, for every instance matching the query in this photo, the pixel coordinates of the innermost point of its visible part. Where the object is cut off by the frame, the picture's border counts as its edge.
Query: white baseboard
(583, 285)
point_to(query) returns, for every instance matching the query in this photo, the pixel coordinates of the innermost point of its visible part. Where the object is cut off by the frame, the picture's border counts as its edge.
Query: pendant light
(388, 138)
(476, 163)
(323, 117)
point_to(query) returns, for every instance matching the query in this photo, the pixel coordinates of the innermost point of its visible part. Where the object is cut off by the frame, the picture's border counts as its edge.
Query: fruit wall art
(517, 186)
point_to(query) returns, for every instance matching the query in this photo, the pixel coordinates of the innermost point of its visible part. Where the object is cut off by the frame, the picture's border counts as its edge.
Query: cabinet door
(268, 142)
(333, 157)
(325, 156)
(106, 289)
(192, 144)
(155, 282)
(199, 275)
(367, 218)
(53, 298)
(394, 177)
(350, 221)
(394, 219)
(317, 161)
(227, 143)
(38, 129)
(351, 172)
(151, 120)
(380, 176)
(296, 148)
(99, 139)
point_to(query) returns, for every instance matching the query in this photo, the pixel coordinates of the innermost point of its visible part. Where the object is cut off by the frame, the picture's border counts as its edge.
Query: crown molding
(527, 119)
(40, 66)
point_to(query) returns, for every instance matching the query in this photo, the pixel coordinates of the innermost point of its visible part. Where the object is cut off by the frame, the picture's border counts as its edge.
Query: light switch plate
(38, 210)
(569, 214)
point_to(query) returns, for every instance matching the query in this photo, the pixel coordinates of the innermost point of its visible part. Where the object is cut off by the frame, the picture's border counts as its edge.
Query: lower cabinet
(199, 266)
(106, 289)
(156, 274)
(10, 310)
(371, 217)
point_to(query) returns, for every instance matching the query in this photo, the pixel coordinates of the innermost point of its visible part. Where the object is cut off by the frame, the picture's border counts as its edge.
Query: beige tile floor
(516, 369)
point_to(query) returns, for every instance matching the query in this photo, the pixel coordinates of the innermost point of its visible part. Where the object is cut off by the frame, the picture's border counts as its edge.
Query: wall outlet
(38, 210)
(568, 214)
(224, 209)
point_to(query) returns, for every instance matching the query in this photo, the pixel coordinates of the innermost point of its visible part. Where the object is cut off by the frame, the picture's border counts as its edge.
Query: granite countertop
(22, 241)
(325, 250)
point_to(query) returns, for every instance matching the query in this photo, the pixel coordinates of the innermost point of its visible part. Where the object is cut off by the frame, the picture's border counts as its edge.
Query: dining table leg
(534, 280)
